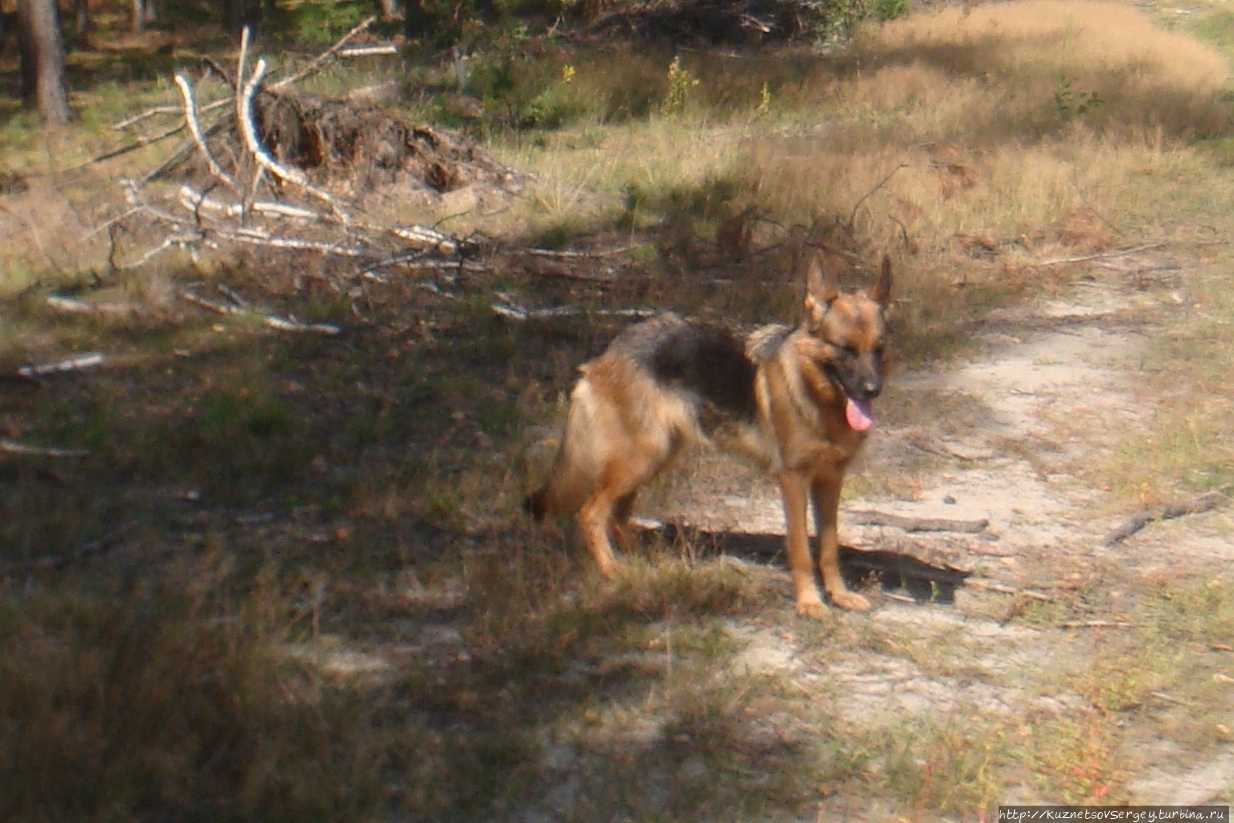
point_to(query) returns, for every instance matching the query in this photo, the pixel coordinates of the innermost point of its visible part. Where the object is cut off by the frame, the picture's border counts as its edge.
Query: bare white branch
(13, 447)
(195, 201)
(271, 320)
(158, 110)
(258, 237)
(190, 119)
(506, 307)
(145, 115)
(75, 363)
(1066, 261)
(425, 237)
(241, 59)
(573, 255)
(235, 296)
(369, 51)
(71, 305)
(289, 174)
(317, 61)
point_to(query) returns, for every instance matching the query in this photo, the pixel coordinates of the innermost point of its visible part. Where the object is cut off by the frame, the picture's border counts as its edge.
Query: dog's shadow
(893, 571)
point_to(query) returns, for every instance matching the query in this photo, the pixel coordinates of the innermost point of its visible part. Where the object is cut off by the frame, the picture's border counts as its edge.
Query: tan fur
(624, 426)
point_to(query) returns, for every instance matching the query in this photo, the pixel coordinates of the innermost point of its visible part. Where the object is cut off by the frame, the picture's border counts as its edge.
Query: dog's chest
(808, 422)
(804, 445)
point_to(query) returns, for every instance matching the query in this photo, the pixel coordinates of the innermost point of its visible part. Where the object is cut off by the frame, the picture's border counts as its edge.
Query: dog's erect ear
(881, 290)
(820, 283)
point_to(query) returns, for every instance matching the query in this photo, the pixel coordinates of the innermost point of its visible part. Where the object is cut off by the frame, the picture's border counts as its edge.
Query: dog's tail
(573, 477)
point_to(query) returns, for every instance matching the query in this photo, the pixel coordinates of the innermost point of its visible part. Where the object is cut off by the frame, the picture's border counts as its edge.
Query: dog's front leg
(795, 490)
(826, 493)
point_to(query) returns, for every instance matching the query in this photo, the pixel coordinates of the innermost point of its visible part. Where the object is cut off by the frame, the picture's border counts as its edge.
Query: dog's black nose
(872, 388)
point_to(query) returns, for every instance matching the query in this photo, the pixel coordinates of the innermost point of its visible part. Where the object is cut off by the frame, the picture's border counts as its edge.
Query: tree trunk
(42, 60)
(416, 20)
(145, 12)
(387, 8)
(81, 16)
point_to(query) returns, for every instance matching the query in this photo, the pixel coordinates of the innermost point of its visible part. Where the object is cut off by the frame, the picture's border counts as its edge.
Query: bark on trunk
(42, 60)
(145, 12)
(387, 8)
(416, 19)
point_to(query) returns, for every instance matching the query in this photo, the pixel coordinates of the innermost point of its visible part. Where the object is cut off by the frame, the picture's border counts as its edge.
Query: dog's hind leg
(621, 521)
(613, 496)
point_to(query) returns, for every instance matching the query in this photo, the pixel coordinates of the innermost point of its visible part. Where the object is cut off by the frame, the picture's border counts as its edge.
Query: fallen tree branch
(916, 524)
(176, 239)
(138, 143)
(231, 293)
(89, 549)
(186, 148)
(13, 447)
(1203, 503)
(248, 129)
(71, 305)
(1169, 698)
(106, 226)
(218, 68)
(196, 201)
(157, 110)
(425, 237)
(258, 237)
(271, 320)
(1062, 261)
(571, 255)
(145, 115)
(508, 309)
(1001, 589)
(421, 262)
(75, 363)
(190, 120)
(217, 308)
(368, 51)
(320, 59)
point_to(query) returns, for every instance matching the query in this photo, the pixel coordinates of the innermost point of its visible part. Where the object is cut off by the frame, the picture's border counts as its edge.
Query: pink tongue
(858, 415)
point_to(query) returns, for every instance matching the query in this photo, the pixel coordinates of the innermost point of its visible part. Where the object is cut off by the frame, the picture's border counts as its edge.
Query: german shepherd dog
(794, 401)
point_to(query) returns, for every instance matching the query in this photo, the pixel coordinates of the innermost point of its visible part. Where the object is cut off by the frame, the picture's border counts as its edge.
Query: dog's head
(851, 328)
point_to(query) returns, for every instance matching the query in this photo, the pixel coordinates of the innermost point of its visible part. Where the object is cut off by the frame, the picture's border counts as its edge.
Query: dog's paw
(850, 602)
(813, 608)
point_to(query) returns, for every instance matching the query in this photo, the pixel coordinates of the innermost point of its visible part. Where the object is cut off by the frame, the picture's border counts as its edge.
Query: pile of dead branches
(284, 171)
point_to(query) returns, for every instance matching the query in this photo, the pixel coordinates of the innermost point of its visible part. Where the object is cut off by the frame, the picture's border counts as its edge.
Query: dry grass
(1147, 78)
(968, 142)
(1188, 447)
